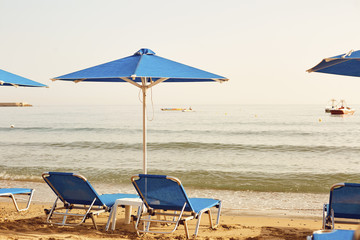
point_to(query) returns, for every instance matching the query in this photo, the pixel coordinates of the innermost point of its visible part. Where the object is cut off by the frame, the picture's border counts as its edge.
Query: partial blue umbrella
(347, 64)
(144, 70)
(10, 79)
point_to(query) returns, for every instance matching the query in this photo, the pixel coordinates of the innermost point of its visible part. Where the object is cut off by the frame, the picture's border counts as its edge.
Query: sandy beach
(32, 225)
(247, 223)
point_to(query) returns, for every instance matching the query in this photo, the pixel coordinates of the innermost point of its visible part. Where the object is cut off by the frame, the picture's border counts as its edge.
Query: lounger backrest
(161, 192)
(71, 188)
(345, 200)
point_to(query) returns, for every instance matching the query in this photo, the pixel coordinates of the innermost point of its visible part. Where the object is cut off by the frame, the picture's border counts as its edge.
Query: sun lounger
(164, 196)
(344, 205)
(11, 192)
(332, 235)
(76, 193)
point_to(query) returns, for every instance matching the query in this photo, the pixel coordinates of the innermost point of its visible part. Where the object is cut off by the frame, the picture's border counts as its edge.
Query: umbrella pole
(144, 126)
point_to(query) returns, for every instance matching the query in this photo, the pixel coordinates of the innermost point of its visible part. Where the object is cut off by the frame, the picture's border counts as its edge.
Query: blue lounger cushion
(199, 204)
(6, 191)
(334, 234)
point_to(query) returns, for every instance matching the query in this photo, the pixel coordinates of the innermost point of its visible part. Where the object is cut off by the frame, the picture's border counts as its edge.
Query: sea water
(276, 155)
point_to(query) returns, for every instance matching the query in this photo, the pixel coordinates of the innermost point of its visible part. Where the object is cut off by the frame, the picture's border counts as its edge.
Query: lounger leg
(218, 215)
(198, 224)
(147, 226)
(110, 218)
(65, 217)
(52, 210)
(88, 213)
(186, 229)
(138, 222)
(210, 220)
(114, 217)
(140, 210)
(93, 220)
(28, 203)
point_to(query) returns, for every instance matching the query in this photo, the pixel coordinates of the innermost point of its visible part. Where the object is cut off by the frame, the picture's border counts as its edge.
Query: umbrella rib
(79, 80)
(160, 80)
(314, 69)
(131, 81)
(220, 80)
(137, 65)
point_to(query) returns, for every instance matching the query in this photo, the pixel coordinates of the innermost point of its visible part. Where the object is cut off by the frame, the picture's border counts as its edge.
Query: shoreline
(237, 203)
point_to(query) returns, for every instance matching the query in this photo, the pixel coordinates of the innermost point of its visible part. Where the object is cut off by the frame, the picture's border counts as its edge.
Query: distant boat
(332, 107)
(15, 104)
(343, 109)
(178, 109)
(173, 109)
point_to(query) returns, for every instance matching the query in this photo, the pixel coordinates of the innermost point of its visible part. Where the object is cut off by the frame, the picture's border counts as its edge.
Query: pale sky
(264, 47)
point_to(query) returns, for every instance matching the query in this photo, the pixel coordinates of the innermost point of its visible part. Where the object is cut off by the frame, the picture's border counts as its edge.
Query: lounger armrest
(325, 207)
(325, 214)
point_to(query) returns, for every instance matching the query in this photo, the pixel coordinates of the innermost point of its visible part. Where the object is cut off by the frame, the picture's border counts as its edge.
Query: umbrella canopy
(143, 69)
(345, 64)
(10, 79)
(143, 64)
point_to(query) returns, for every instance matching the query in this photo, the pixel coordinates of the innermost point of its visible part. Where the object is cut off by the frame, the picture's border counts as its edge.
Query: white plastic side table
(128, 203)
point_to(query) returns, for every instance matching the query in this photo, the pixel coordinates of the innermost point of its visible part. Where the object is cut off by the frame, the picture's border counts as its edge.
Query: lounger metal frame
(90, 210)
(331, 218)
(180, 218)
(12, 196)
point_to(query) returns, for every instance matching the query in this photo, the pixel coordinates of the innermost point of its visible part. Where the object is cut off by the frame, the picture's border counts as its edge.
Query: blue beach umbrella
(347, 64)
(10, 79)
(144, 70)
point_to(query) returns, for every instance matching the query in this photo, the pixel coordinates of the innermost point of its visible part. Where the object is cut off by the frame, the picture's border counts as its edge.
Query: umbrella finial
(145, 51)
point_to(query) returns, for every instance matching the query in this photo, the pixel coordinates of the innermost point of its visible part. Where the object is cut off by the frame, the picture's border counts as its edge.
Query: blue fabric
(10, 78)
(348, 65)
(162, 193)
(167, 194)
(75, 190)
(143, 63)
(334, 235)
(345, 201)
(14, 190)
